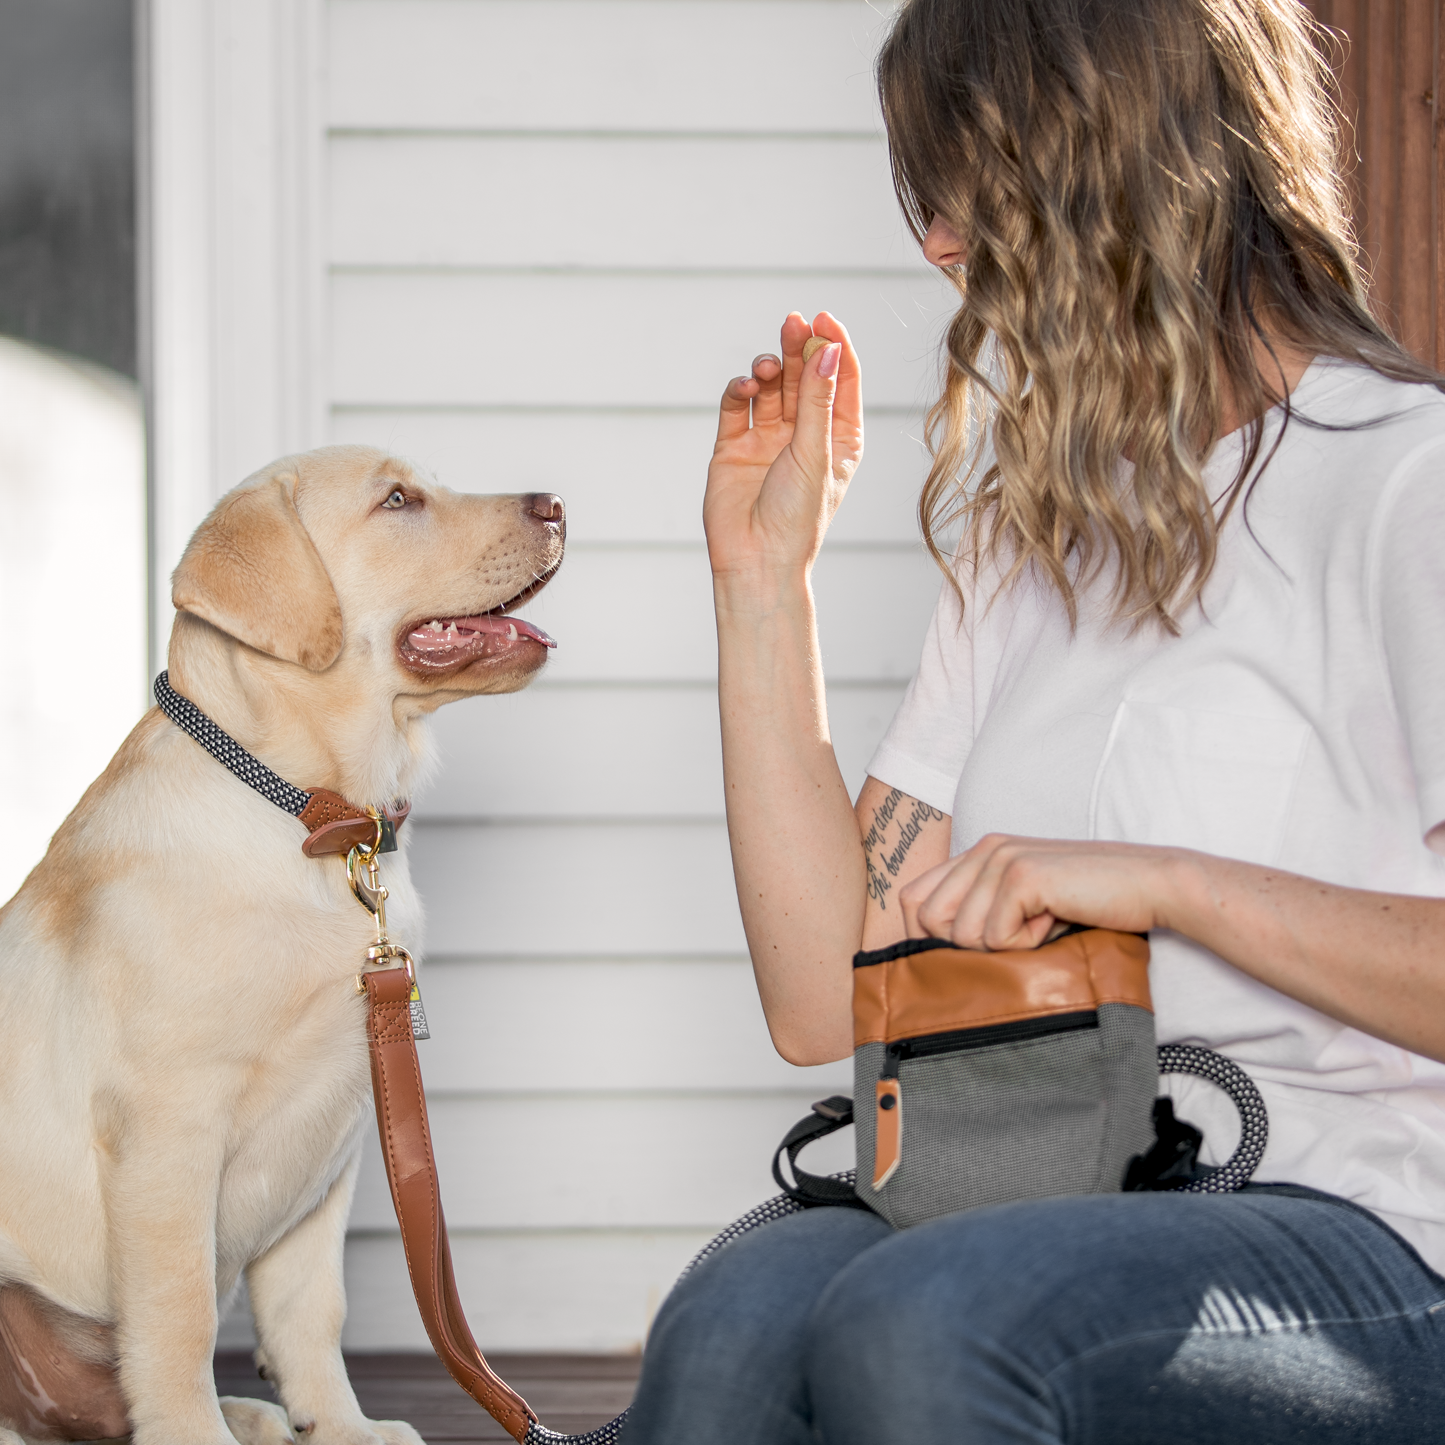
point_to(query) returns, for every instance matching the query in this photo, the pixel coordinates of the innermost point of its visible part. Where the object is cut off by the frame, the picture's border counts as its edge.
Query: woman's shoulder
(1346, 397)
(1354, 438)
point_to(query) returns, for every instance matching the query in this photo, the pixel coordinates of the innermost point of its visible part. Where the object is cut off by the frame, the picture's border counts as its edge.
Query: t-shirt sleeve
(1410, 580)
(924, 749)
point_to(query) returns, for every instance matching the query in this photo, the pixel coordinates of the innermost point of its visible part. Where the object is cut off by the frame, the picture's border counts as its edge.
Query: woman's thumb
(813, 430)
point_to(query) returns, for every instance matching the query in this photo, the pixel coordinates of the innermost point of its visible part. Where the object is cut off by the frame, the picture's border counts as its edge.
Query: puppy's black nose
(547, 505)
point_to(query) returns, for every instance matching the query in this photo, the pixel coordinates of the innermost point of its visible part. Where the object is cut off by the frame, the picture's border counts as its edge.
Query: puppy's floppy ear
(252, 570)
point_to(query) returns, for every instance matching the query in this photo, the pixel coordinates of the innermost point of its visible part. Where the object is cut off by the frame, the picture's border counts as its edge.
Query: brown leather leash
(394, 1022)
(411, 1172)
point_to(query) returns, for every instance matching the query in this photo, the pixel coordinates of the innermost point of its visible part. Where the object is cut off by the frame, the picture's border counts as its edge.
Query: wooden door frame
(1387, 59)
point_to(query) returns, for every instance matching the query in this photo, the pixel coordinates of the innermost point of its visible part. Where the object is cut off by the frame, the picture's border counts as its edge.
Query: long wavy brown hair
(1150, 203)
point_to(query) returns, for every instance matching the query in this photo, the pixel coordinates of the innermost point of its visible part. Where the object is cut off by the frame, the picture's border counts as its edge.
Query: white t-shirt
(1297, 721)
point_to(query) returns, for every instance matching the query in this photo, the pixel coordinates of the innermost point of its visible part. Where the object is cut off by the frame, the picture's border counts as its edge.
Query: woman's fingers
(795, 332)
(736, 408)
(984, 898)
(930, 901)
(1010, 892)
(768, 401)
(848, 400)
(812, 444)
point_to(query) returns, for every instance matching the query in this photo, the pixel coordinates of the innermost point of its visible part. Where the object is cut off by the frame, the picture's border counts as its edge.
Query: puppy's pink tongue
(495, 633)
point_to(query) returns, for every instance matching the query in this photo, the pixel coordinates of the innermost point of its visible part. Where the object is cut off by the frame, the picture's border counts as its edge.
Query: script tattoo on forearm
(884, 850)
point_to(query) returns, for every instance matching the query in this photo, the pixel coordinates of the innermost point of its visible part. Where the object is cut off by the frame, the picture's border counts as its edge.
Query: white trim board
(231, 137)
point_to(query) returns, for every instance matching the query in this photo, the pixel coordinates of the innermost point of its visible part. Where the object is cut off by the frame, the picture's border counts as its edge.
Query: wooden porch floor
(570, 1393)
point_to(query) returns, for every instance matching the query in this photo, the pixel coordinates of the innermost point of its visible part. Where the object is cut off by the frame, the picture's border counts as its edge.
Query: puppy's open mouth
(442, 643)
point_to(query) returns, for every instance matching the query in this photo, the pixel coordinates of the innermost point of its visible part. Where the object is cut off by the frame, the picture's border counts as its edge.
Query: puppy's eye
(396, 500)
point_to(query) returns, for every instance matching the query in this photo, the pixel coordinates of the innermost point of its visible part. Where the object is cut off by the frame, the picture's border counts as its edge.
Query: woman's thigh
(724, 1359)
(1251, 1319)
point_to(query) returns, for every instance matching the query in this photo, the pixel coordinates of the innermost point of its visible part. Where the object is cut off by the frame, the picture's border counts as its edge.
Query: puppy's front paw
(396, 1432)
(257, 1422)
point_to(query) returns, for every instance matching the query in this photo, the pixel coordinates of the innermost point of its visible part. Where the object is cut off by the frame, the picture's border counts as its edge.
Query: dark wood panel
(1387, 58)
(570, 1393)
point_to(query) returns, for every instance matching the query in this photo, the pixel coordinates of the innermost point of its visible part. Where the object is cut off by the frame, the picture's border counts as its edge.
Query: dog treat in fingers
(811, 346)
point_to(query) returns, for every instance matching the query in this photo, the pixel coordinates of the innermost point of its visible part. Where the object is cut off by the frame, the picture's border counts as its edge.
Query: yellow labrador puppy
(184, 1083)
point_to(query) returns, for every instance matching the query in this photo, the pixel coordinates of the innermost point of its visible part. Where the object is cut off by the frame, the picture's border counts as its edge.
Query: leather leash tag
(419, 1029)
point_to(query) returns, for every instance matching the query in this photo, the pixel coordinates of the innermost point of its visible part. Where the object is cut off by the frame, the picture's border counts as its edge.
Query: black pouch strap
(828, 1116)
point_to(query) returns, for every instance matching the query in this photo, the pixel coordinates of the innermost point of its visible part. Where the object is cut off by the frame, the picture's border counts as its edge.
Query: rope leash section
(1237, 1170)
(227, 751)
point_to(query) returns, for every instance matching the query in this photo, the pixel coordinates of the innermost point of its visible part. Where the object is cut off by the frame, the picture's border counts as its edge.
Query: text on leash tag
(419, 1029)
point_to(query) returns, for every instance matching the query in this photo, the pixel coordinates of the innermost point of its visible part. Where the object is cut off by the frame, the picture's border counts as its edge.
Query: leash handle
(411, 1172)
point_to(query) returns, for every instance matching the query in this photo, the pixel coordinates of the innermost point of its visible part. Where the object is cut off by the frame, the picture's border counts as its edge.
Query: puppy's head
(346, 555)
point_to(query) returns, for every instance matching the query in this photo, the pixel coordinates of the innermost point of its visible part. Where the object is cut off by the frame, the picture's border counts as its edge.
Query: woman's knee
(756, 1292)
(930, 1336)
(936, 1282)
(724, 1356)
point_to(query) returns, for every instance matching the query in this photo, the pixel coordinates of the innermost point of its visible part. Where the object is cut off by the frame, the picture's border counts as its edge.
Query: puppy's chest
(298, 1120)
(307, 1092)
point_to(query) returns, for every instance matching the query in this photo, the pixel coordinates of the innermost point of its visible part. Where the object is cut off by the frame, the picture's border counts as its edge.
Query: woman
(1185, 676)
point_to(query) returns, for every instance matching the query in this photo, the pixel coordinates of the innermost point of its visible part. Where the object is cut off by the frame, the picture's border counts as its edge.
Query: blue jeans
(1272, 1315)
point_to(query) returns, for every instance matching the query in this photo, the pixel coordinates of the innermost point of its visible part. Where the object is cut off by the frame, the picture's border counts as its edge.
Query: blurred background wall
(72, 443)
(523, 242)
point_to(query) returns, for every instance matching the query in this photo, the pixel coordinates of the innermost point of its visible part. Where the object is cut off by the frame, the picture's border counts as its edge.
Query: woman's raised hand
(790, 436)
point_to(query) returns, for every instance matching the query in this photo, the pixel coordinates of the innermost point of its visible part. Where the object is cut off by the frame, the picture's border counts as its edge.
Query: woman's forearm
(1375, 961)
(797, 854)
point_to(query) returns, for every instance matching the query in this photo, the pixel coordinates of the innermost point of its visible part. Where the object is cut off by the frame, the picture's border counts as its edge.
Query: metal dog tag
(388, 836)
(419, 1029)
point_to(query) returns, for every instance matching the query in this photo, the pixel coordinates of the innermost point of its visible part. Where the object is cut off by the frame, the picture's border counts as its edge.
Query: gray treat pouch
(1000, 1076)
(983, 1078)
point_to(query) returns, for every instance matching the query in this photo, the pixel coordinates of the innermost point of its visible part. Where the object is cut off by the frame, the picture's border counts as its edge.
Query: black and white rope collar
(225, 749)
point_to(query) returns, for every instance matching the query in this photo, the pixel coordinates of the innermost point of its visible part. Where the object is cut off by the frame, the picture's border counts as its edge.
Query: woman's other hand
(1370, 960)
(790, 436)
(1007, 892)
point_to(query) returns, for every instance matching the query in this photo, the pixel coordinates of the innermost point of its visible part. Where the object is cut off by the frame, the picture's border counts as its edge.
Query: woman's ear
(252, 570)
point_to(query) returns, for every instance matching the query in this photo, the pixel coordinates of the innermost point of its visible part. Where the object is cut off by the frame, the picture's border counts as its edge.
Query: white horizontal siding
(543, 1290)
(640, 615)
(628, 202)
(542, 889)
(639, 1161)
(618, 339)
(556, 228)
(644, 751)
(598, 65)
(631, 1026)
(628, 474)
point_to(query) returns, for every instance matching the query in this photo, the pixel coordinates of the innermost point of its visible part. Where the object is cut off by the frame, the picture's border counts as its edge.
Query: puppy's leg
(298, 1298)
(161, 1186)
(256, 1422)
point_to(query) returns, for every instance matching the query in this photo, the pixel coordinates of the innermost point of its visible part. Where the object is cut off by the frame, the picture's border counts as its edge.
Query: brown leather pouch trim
(955, 988)
(888, 1131)
(1118, 967)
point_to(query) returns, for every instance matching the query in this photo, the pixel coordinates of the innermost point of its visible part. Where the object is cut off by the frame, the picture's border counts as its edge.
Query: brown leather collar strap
(336, 826)
(412, 1173)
